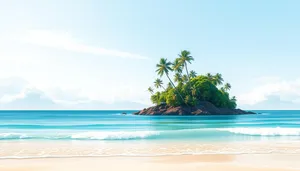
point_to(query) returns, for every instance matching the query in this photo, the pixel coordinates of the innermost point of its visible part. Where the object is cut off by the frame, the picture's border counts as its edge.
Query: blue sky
(93, 52)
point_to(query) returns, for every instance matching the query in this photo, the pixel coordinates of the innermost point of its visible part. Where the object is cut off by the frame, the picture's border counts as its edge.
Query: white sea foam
(131, 152)
(278, 131)
(101, 135)
(12, 135)
(113, 135)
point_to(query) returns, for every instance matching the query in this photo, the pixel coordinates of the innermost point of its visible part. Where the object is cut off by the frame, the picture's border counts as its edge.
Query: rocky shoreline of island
(203, 108)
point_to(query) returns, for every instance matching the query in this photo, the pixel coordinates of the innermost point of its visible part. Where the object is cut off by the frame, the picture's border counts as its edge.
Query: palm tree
(150, 89)
(185, 78)
(233, 102)
(194, 91)
(209, 77)
(155, 98)
(227, 87)
(174, 96)
(188, 99)
(193, 74)
(169, 85)
(217, 79)
(177, 66)
(184, 58)
(222, 89)
(163, 68)
(233, 99)
(178, 78)
(158, 83)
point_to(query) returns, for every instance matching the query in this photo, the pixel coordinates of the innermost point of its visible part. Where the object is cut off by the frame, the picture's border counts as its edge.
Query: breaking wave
(109, 135)
(264, 131)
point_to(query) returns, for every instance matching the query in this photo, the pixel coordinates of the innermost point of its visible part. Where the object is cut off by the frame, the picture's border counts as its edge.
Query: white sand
(163, 163)
(57, 156)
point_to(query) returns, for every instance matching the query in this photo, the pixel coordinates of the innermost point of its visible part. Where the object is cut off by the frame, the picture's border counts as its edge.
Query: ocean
(104, 128)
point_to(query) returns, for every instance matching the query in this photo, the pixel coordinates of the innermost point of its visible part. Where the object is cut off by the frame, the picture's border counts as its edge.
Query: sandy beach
(162, 163)
(116, 156)
(81, 156)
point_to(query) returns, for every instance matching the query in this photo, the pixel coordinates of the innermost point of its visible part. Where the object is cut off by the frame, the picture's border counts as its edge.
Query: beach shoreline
(213, 162)
(65, 149)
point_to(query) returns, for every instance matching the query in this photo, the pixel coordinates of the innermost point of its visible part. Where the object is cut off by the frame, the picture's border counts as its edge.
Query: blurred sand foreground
(215, 162)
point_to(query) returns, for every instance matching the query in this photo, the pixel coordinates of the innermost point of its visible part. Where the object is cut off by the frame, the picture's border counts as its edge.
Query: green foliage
(163, 97)
(177, 78)
(193, 74)
(177, 66)
(163, 67)
(158, 83)
(185, 79)
(188, 99)
(150, 90)
(217, 79)
(169, 86)
(155, 98)
(207, 89)
(227, 87)
(172, 98)
(184, 57)
(190, 88)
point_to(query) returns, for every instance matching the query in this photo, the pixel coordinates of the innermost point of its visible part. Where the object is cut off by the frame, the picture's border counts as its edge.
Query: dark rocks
(203, 108)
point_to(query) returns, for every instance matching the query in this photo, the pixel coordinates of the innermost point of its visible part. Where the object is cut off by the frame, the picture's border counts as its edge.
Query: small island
(189, 93)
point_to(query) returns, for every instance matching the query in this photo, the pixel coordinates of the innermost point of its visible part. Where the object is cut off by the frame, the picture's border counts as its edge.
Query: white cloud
(69, 95)
(17, 93)
(45, 62)
(27, 98)
(65, 41)
(288, 91)
(273, 102)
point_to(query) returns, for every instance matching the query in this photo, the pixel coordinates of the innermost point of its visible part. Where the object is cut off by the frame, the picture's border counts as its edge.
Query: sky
(101, 54)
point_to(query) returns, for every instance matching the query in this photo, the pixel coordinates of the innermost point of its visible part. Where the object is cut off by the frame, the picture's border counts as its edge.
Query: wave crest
(264, 131)
(114, 135)
(104, 135)
(13, 136)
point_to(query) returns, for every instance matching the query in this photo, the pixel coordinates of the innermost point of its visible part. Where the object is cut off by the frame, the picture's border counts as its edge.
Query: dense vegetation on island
(187, 88)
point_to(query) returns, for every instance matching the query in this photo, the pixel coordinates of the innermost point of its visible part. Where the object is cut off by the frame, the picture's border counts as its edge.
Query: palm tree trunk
(187, 71)
(175, 88)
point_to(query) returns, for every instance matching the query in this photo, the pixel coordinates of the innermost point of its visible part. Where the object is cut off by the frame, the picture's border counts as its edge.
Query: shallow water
(106, 133)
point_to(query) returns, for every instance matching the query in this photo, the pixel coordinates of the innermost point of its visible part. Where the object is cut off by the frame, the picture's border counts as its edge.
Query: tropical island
(189, 93)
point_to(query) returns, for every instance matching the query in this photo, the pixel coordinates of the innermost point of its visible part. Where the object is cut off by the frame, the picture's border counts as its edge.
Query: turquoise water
(113, 126)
